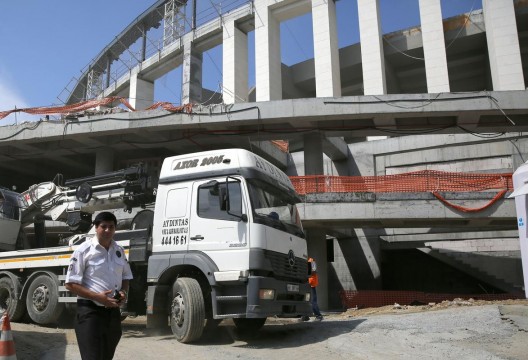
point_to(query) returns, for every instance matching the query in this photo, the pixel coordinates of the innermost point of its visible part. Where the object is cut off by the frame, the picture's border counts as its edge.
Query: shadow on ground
(273, 335)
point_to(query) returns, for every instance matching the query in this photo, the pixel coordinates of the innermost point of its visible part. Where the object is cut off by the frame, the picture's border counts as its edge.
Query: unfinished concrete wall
(357, 254)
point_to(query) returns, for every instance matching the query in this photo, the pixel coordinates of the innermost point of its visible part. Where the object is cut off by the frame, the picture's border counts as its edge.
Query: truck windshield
(10, 204)
(274, 207)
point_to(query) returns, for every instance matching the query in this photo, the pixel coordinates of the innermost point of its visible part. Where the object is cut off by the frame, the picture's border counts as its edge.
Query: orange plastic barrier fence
(90, 104)
(377, 298)
(419, 181)
(283, 145)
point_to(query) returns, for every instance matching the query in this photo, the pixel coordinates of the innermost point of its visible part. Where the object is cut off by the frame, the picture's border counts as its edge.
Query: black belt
(89, 303)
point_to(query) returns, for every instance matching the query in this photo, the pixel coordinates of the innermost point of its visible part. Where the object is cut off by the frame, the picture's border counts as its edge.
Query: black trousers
(98, 330)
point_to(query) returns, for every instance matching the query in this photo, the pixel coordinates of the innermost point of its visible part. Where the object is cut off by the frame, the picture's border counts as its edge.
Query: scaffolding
(94, 85)
(173, 21)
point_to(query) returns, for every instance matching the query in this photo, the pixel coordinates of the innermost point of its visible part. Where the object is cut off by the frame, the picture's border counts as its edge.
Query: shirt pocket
(96, 265)
(119, 265)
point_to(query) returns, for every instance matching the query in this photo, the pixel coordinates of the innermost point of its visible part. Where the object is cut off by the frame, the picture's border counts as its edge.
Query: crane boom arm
(77, 199)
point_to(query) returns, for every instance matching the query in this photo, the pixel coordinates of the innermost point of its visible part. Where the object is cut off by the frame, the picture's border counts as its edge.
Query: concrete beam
(287, 9)
(455, 236)
(270, 152)
(354, 113)
(335, 148)
(382, 214)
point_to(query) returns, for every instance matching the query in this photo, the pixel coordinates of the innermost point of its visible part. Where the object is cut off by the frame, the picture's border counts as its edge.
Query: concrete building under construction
(449, 95)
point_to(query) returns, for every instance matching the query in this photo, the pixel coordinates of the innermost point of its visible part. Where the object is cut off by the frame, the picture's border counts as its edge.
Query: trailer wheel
(15, 307)
(187, 316)
(43, 300)
(249, 325)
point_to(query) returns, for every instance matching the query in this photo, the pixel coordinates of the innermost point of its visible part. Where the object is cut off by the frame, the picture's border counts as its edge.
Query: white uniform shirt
(97, 269)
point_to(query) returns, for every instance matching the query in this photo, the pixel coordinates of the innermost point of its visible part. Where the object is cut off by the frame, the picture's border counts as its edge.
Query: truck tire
(249, 325)
(15, 307)
(187, 316)
(42, 300)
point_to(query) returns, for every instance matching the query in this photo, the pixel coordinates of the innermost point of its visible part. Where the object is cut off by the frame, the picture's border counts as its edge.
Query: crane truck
(217, 236)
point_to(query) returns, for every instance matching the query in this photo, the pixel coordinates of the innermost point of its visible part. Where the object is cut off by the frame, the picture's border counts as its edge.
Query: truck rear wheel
(8, 300)
(43, 300)
(187, 315)
(249, 325)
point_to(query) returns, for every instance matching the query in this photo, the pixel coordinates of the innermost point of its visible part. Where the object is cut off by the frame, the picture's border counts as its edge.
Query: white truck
(224, 241)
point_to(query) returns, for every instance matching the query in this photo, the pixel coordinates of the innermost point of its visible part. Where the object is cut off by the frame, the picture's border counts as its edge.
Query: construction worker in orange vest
(313, 280)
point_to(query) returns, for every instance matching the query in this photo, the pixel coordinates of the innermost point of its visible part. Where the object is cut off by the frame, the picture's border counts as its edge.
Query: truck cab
(10, 215)
(226, 235)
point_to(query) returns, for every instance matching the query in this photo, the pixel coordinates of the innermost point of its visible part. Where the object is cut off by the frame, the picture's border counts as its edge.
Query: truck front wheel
(8, 300)
(43, 300)
(187, 316)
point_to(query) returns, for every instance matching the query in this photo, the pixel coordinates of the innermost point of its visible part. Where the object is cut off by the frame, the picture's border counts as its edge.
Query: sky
(45, 44)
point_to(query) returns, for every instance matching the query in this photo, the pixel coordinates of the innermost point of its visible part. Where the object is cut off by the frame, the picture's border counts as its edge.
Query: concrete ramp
(475, 268)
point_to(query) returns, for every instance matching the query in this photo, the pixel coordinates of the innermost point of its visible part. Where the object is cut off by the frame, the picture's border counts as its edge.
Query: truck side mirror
(242, 217)
(223, 198)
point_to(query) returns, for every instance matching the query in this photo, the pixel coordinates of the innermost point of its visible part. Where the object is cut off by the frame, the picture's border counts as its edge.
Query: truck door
(216, 224)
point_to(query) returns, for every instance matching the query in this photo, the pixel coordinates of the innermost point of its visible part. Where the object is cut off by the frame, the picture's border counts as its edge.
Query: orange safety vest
(313, 279)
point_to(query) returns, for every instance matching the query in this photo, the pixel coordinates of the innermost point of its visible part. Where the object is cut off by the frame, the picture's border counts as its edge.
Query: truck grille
(282, 269)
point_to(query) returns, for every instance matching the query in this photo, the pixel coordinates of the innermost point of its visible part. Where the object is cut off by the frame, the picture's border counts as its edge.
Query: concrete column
(235, 64)
(108, 68)
(192, 75)
(316, 239)
(326, 52)
(141, 93)
(372, 58)
(313, 154)
(268, 78)
(104, 160)
(144, 43)
(434, 46)
(503, 45)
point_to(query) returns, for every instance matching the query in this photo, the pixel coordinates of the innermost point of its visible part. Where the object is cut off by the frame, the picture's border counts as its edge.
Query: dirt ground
(460, 329)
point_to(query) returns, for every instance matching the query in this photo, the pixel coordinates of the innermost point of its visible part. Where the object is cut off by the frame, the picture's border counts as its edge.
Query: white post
(434, 46)
(235, 64)
(326, 52)
(268, 76)
(520, 185)
(372, 58)
(141, 94)
(503, 45)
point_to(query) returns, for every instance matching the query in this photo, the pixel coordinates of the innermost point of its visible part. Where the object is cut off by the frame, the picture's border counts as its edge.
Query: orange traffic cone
(7, 345)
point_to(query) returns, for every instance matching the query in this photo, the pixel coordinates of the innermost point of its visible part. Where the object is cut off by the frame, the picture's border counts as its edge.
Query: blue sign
(521, 222)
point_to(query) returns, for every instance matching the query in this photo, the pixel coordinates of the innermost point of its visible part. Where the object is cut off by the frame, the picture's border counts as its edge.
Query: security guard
(99, 275)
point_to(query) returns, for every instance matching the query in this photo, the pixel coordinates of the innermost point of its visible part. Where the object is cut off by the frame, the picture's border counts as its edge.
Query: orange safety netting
(89, 104)
(169, 107)
(420, 181)
(282, 145)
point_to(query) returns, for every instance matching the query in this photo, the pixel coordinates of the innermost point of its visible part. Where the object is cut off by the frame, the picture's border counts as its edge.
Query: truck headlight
(266, 294)
(307, 297)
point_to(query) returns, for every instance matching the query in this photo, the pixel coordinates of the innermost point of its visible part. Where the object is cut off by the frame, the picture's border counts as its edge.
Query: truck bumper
(286, 303)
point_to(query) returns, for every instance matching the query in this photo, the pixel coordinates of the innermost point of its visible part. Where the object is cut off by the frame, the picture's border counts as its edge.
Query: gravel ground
(470, 331)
